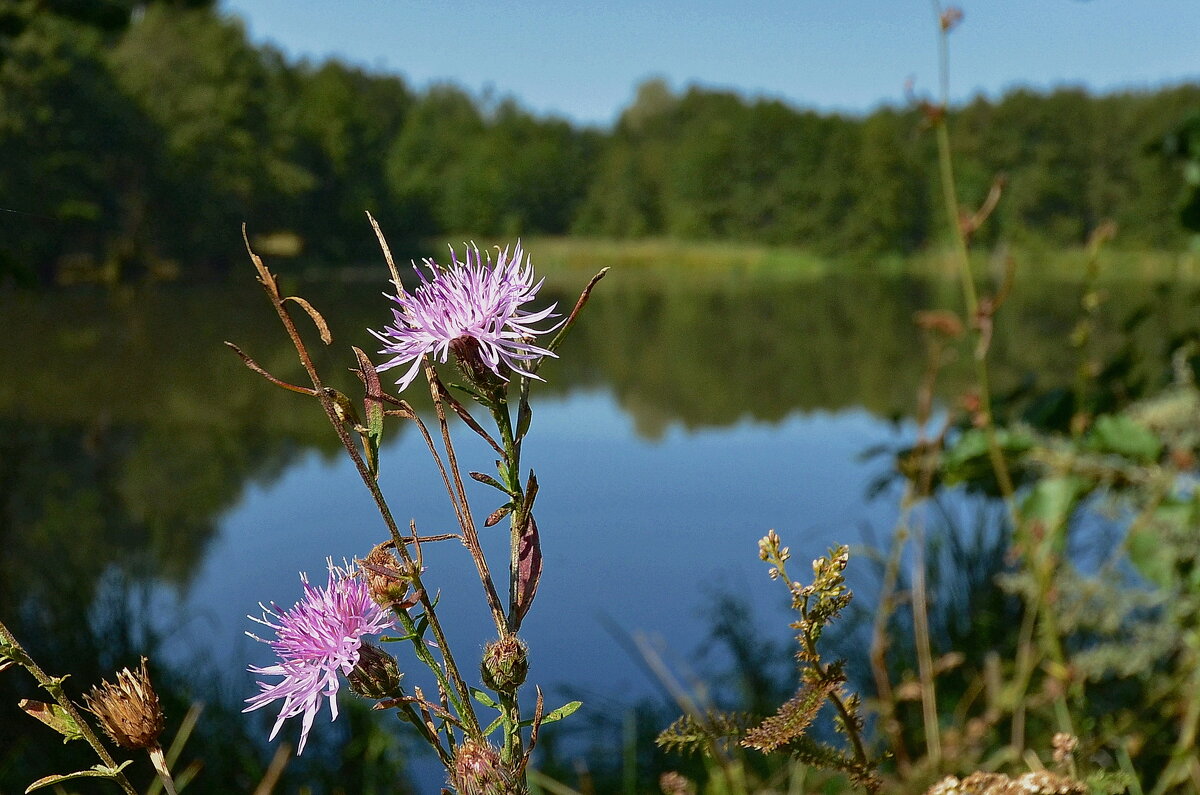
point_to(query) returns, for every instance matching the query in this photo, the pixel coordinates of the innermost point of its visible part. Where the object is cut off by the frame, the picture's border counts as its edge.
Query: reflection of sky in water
(643, 533)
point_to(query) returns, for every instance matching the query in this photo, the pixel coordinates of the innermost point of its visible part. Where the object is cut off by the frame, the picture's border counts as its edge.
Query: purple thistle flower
(315, 639)
(474, 300)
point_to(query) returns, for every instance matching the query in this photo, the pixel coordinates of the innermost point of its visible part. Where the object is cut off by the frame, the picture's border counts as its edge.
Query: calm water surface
(683, 422)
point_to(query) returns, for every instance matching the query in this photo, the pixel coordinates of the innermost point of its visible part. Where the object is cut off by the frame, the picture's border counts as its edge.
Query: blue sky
(584, 59)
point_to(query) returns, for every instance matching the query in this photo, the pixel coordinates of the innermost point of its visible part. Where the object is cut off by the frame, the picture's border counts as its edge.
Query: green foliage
(213, 99)
(1182, 146)
(1121, 435)
(130, 138)
(822, 685)
(67, 196)
(793, 717)
(699, 733)
(96, 771)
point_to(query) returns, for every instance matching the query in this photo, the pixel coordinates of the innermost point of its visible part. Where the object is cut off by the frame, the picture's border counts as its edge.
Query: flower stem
(970, 297)
(807, 637)
(54, 688)
(462, 701)
(160, 767)
(458, 495)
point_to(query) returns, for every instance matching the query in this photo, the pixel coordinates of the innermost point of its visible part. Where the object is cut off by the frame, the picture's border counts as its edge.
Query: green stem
(271, 287)
(510, 474)
(810, 646)
(54, 688)
(971, 302)
(410, 715)
(513, 744)
(1184, 753)
(970, 297)
(921, 638)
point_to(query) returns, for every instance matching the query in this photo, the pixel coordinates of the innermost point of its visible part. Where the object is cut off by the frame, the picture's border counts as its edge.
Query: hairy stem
(458, 685)
(54, 688)
(459, 495)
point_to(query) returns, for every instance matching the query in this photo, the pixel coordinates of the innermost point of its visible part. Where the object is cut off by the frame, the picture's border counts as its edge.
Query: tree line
(138, 135)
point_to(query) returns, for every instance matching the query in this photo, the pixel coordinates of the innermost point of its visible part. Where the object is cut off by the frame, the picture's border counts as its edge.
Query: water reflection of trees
(712, 356)
(126, 430)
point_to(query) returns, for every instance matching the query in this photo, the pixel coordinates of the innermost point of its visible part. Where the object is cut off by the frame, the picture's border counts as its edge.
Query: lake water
(686, 418)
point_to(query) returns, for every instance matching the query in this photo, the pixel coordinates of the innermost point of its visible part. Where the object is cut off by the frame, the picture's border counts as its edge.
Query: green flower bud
(505, 664)
(377, 675)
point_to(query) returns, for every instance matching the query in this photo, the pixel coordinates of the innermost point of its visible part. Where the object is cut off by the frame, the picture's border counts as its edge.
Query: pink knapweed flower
(474, 300)
(316, 639)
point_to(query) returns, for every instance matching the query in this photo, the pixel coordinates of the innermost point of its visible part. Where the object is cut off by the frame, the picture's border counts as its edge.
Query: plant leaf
(529, 568)
(1120, 434)
(317, 320)
(483, 698)
(53, 716)
(491, 481)
(495, 516)
(564, 711)
(98, 771)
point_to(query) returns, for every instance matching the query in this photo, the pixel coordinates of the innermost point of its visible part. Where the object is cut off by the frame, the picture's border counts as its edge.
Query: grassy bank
(661, 258)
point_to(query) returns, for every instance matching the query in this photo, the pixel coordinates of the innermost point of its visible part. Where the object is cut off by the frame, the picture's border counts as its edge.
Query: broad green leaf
(1153, 560)
(1121, 435)
(1154, 545)
(968, 459)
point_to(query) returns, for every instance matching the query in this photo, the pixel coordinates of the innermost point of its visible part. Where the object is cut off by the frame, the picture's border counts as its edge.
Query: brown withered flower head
(1064, 746)
(128, 710)
(673, 783)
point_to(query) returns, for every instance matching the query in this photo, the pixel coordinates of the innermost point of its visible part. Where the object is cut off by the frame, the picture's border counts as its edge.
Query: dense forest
(138, 136)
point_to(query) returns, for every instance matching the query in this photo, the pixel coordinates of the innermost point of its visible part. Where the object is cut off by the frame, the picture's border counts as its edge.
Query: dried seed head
(128, 710)
(478, 771)
(388, 579)
(377, 675)
(505, 663)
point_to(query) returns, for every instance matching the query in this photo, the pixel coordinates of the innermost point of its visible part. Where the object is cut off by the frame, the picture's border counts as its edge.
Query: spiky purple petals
(474, 298)
(316, 639)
